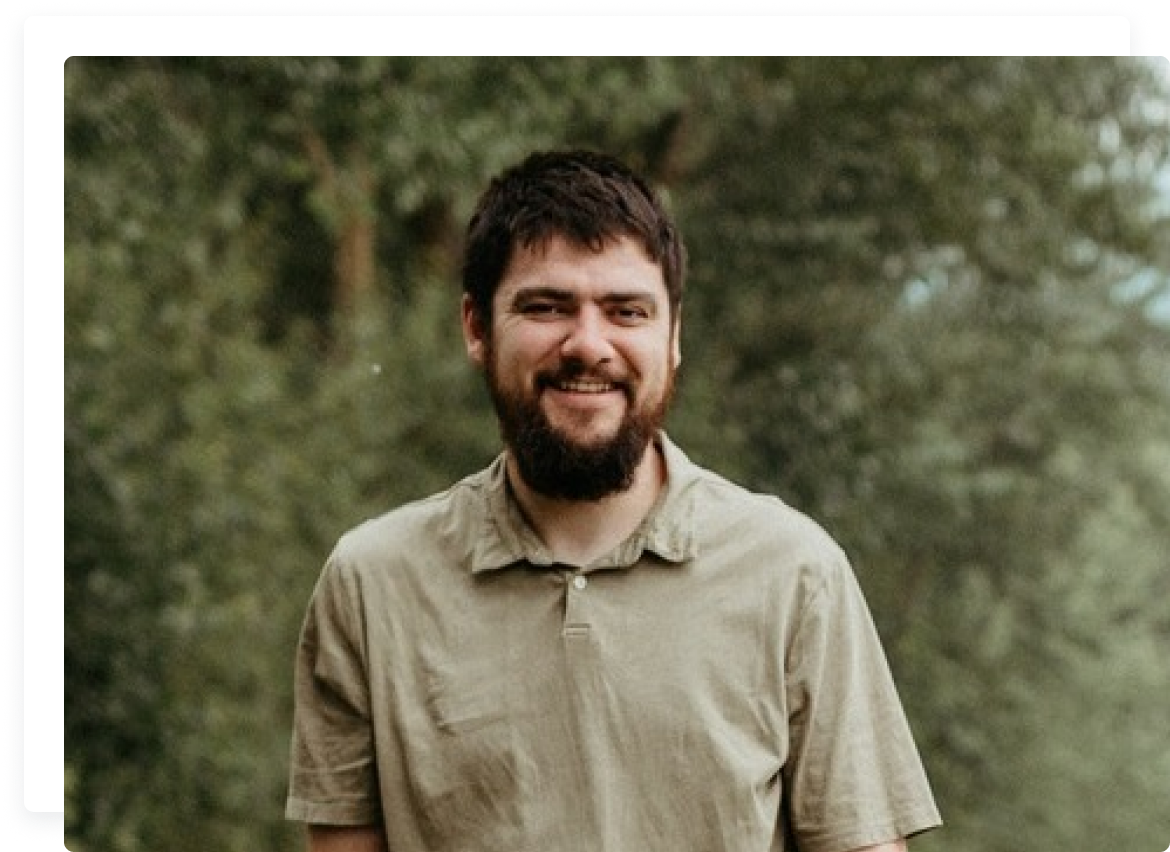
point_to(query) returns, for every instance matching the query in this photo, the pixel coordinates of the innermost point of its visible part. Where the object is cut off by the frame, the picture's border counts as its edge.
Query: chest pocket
(467, 695)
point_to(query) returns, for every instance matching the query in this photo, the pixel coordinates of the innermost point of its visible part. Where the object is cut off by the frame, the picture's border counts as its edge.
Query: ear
(676, 339)
(474, 332)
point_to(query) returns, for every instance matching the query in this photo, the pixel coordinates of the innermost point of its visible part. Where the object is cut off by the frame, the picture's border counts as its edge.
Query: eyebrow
(554, 294)
(557, 294)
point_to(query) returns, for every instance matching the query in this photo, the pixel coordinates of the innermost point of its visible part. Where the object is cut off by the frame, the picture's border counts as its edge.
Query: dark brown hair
(588, 198)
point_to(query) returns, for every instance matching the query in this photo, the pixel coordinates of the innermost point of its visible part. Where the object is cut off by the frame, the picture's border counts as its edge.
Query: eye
(540, 309)
(630, 313)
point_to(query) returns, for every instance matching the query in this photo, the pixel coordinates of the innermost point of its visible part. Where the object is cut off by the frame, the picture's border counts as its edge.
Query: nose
(587, 340)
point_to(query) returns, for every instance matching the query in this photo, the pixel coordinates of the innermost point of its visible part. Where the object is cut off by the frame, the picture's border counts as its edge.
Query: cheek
(661, 360)
(514, 364)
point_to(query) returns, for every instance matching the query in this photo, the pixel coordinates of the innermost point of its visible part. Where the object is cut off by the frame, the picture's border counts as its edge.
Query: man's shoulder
(435, 522)
(733, 512)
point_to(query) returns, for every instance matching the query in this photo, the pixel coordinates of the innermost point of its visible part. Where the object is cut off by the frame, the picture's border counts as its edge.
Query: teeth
(585, 387)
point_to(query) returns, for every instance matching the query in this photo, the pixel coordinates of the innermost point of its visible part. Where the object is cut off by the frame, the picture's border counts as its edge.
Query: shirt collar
(503, 537)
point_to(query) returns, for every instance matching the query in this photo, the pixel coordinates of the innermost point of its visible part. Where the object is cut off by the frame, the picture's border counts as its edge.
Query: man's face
(580, 361)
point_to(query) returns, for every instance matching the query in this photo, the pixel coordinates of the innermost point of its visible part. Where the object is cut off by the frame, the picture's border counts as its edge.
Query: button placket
(576, 624)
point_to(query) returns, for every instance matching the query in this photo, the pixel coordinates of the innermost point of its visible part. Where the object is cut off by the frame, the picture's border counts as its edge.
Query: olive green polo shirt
(715, 684)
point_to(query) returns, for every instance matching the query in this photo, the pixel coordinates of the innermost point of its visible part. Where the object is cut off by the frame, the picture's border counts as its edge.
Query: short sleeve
(332, 774)
(854, 777)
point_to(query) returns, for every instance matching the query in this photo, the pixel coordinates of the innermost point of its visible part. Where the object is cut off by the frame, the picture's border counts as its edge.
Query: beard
(556, 465)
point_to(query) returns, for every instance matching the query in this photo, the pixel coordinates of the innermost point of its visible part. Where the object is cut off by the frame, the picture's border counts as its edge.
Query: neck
(578, 532)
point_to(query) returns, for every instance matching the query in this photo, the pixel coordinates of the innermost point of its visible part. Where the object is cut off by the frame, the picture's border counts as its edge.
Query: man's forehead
(620, 270)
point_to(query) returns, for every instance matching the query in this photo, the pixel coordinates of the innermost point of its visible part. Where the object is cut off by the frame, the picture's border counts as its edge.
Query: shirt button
(580, 582)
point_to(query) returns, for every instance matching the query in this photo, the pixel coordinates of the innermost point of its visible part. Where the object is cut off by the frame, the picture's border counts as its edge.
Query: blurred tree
(938, 334)
(927, 305)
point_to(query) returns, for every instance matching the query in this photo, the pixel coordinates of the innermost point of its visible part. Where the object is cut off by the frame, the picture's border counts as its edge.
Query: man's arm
(335, 838)
(892, 846)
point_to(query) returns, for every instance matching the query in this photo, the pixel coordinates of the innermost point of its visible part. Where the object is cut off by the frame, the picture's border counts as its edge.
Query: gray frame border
(50, 825)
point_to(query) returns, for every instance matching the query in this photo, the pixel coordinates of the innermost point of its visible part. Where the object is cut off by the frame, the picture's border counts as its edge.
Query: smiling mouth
(588, 390)
(584, 386)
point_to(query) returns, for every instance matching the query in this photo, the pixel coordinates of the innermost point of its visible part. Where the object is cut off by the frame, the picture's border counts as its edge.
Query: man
(592, 645)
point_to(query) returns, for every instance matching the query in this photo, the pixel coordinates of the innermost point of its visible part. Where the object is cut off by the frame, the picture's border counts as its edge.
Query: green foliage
(928, 305)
